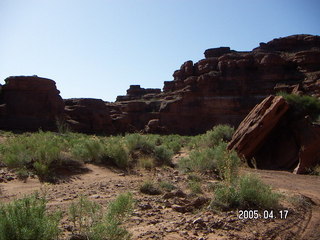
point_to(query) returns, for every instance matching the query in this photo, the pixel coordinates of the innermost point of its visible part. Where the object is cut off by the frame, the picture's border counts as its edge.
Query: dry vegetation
(207, 181)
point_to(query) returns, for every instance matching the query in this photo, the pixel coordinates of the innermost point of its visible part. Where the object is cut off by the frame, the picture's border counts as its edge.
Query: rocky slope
(221, 88)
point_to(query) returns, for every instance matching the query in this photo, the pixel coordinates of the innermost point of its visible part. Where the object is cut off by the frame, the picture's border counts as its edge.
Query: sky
(97, 48)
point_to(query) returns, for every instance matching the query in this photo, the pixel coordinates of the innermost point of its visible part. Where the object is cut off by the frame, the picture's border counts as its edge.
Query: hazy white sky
(97, 48)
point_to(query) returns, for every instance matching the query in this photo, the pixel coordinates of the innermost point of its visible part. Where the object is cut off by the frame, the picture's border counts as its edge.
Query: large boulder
(271, 138)
(256, 127)
(29, 103)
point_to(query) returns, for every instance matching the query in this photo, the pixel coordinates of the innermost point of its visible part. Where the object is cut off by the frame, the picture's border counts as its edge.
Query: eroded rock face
(28, 103)
(270, 138)
(222, 88)
(88, 115)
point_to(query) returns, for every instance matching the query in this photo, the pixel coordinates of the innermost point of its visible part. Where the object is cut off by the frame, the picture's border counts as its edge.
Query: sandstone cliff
(221, 88)
(29, 103)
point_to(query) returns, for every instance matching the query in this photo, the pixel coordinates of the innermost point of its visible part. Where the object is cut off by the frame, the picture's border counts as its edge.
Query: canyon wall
(221, 88)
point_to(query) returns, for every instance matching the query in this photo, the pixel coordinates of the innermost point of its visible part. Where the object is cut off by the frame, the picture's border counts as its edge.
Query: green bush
(199, 161)
(163, 155)
(117, 154)
(247, 191)
(219, 133)
(27, 219)
(148, 187)
(303, 105)
(139, 142)
(173, 142)
(212, 159)
(121, 207)
(89, 150)
(146, 162)
(90, 222)
(62, 126)
(195, 186)
(84, 214)
(38, 152)
(167, 186)
(227, 162)
(118, 211)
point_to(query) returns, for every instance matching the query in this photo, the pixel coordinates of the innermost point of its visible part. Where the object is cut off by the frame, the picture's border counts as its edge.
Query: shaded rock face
(88, 115)
(28, 103)
(271, 139)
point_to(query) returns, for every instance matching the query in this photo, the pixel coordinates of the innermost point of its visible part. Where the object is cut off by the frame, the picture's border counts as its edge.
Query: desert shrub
(167, 186)
(148, 187)
(27, 219)
(38, 152)
(227, 162)
(117, 154)
(84, 214)
(219, 133)
(194, 177)
(139, 142)
(118, 211)
(154, 139)
(212, 159)
(174, 146)
(195, 186)
(247, 191)
(199, 161)
(91, 223)
(195, 142)
(89, 150)
(146, 162)
(173, 142)
(62, 126)
(121, 207)
(22, 173)
(303, 105)
(163, 155)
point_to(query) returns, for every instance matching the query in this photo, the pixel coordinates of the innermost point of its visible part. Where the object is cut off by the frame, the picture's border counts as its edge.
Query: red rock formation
(256, 127)
(30, 103)
(270, 138)
(221, 88)
(88, 115)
